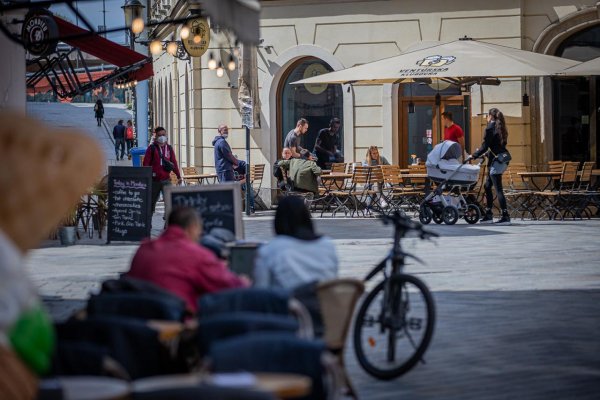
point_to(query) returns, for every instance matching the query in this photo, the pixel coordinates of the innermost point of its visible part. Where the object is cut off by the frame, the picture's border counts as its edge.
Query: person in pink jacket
(177, 263)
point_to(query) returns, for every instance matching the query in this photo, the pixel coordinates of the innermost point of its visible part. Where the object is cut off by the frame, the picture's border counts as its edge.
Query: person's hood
(217, 139)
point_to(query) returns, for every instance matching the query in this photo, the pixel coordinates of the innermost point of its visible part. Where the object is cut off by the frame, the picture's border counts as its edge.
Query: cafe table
(200, 178)
(529, 177)
(335, 178)
(84, 388)
(282, 385)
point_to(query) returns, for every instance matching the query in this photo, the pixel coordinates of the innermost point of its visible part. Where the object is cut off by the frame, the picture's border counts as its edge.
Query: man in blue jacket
(226, 163)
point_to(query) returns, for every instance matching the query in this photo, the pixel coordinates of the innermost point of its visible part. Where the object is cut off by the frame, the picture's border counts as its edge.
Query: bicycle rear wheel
(391, 333)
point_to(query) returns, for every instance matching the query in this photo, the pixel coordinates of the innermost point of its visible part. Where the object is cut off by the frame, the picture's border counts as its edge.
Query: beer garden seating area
(557, 190)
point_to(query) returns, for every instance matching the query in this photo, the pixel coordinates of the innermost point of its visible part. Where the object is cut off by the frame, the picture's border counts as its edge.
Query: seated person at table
(177, 263)
(303, 172)
(280, 174)
(373, 158)
(297, 255)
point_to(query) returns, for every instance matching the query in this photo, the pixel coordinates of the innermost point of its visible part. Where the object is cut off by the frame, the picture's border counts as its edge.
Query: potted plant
(68, 227)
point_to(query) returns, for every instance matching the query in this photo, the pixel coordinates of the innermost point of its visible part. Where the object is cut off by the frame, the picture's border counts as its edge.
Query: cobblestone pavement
(518, 307)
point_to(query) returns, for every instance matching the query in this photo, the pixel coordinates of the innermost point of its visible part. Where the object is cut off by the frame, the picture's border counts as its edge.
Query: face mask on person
(225, 135)
(161, 139)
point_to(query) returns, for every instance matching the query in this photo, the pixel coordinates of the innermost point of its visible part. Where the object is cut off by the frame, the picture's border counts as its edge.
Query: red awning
(104, 49)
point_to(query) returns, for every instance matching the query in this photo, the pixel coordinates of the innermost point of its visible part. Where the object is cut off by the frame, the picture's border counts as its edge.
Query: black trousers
(157, 187)
(496, 182)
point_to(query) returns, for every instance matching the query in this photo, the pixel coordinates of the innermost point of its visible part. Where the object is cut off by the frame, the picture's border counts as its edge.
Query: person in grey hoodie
(225, 161)
(297, 255)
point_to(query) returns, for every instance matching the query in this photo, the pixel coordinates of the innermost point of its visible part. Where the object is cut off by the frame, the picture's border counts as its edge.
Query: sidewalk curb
(107, 131)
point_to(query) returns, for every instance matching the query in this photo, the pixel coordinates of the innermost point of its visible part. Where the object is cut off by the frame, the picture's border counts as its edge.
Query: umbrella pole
(248, 182)
(480, 105)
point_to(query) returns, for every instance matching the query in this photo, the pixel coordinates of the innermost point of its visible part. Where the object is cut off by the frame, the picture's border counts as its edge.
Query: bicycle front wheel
(394, 326)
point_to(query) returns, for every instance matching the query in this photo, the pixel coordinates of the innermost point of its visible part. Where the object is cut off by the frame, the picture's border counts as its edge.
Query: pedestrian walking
(99, 111)
(494, 146)
(129, 136)
(161, 157)
(119, 136)
(292, 140)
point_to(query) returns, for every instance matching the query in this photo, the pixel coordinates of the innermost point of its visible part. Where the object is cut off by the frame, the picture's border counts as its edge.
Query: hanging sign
(39, 27)
(315, 69)
(199, 39)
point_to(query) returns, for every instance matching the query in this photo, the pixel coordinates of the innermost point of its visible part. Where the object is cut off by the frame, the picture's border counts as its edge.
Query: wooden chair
(519, 197)
(395, 193)
(337, 300)
(338, 168)
(187, 171)
(351, 197)
(257, 173)
(583, 196)
(557, 202)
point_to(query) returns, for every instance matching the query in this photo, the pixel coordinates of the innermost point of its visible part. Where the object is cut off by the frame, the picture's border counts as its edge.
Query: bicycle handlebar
(406, 224)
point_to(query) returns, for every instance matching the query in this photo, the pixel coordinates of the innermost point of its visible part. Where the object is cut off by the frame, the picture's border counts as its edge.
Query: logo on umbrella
(436, 61)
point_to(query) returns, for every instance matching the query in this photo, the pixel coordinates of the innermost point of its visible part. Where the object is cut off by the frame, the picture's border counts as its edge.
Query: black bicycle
(395, 322)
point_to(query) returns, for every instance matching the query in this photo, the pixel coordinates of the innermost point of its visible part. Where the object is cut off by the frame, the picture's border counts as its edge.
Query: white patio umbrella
(462, 61)
(588, 68)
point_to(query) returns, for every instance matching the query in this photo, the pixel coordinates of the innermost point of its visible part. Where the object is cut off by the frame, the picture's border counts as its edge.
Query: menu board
(219, 205)
(129, 203)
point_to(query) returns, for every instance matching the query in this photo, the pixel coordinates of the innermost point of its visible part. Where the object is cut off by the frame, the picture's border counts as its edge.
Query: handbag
(500, 162)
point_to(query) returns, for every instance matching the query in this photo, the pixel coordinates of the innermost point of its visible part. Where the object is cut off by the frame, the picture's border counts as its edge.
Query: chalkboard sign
(129, 203)
(219, 205)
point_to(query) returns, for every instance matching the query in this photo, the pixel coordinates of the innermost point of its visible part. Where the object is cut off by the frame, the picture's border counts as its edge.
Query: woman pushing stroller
(494, 144)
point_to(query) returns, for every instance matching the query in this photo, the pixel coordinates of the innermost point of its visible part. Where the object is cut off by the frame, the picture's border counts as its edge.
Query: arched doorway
(420, 117)
(576, 100)
(317, 103)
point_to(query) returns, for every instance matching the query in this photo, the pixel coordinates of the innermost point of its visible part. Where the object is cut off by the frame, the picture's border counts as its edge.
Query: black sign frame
(135, 173)
(234, 188)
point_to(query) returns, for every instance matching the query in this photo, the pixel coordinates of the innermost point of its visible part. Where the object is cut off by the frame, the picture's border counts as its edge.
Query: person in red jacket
(176, 262)
(452, 131)
(161, 157)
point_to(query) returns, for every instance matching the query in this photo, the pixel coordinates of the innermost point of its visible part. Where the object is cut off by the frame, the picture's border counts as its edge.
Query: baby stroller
(446, 203)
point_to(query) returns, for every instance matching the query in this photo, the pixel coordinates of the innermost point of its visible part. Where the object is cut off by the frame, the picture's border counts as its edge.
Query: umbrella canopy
(460, 61)
(587, 68)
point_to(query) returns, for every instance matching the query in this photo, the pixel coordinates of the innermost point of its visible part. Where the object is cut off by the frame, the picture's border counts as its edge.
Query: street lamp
(134, 19)
(133, 15)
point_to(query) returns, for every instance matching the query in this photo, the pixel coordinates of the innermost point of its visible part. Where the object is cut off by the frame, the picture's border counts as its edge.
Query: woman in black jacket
(494, 143)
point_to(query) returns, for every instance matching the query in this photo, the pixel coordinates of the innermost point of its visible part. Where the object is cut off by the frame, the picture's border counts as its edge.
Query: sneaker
(487, 218)
(505, 220)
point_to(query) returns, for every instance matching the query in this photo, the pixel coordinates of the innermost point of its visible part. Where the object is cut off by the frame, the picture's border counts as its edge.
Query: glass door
(422, 129)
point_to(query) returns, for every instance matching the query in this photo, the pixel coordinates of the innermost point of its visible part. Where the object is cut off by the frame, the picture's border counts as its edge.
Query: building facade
(305, 38)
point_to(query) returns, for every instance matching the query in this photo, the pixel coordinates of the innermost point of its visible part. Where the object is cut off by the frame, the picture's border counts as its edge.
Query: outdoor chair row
(139, 331)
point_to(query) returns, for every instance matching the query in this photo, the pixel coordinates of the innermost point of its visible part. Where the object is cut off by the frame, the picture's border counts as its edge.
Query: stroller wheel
(437, 218)
(472, 215)
(450, 215)
(425, 214)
